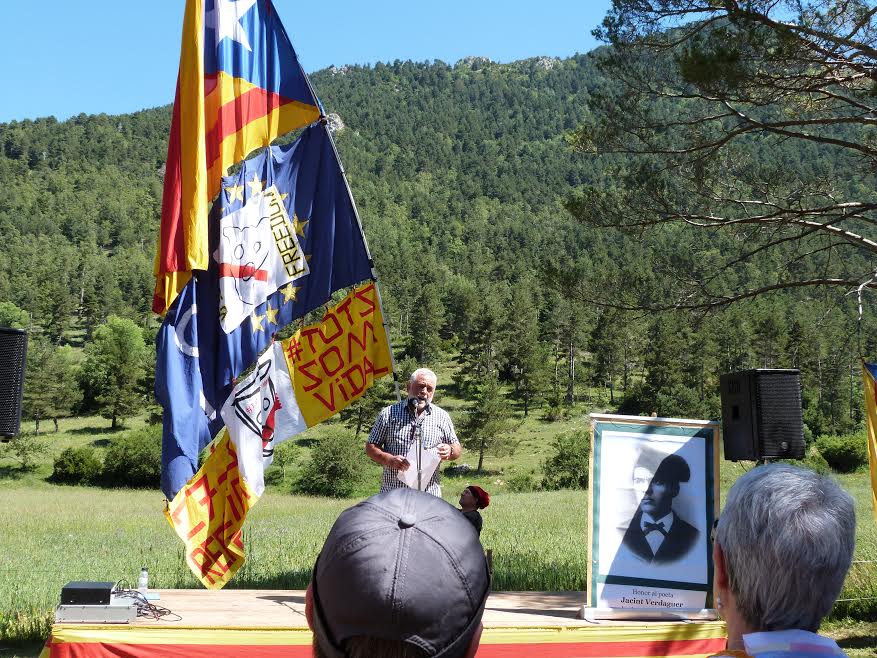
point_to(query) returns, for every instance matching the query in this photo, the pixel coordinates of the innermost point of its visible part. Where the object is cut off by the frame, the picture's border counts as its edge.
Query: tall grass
(53, 535)
(58, 534)
(50, 535)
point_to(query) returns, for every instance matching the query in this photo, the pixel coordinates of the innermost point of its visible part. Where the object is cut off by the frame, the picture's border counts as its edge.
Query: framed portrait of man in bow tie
(657, 533)
(654, 495)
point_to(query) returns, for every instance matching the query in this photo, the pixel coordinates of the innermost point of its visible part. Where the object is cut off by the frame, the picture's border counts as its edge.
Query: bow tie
(649, 527)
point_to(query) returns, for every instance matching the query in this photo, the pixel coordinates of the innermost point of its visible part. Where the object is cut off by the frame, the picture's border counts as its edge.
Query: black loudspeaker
(761, 415)
(13, 351)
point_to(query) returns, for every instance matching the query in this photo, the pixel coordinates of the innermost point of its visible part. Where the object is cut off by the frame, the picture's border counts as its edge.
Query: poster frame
(710, 432)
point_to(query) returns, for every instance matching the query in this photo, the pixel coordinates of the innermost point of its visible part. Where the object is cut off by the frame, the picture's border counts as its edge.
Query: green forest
(604, 233)
(488, 222)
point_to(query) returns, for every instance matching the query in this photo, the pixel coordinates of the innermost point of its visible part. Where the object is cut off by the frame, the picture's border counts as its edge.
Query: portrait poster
(653, 500)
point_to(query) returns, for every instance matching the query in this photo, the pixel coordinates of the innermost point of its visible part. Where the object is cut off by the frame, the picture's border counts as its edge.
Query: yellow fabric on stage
(153, 634)
(603, 633)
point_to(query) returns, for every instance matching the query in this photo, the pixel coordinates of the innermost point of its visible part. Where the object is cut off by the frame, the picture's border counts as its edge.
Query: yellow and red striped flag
(240, 86)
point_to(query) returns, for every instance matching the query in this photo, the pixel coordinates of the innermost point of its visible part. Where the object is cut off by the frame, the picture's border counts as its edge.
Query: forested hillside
(462, 175)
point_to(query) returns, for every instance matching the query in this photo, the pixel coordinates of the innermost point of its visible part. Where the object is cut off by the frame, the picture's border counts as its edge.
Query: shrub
(134, 459)
(567, 465)
(812, 460)
(808, 435)
(816, 462)
(845, 452)
(522, 483)
(555, 411)
(335, 466)
(77, 466)
(26, 449)
(286, 457)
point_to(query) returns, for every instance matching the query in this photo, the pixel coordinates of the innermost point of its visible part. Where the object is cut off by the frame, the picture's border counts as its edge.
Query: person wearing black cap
(473, 499)
(401, 575)
(400, 426)
(656, 533)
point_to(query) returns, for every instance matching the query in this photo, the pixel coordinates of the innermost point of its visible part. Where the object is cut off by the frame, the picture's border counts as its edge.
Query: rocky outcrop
(473, 61)
(334, 123)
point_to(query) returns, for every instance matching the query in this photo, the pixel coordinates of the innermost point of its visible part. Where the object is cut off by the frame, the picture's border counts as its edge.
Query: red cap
(481, 495)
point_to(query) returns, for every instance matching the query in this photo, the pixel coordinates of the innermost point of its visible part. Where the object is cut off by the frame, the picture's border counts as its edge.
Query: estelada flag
(240, 85)
(297, 383)
(283, 238)
(869, 373)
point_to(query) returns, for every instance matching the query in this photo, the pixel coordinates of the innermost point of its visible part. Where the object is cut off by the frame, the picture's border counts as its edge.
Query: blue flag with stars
(283, 237)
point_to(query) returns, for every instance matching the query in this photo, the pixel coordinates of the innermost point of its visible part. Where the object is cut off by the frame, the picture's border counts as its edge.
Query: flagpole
(324, 122)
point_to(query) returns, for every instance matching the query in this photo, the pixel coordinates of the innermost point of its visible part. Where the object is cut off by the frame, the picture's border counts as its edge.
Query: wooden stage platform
(262, 623)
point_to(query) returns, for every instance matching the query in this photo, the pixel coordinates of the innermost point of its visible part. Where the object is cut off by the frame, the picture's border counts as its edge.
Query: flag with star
(240, 86)
(311, 245)
(258, 253)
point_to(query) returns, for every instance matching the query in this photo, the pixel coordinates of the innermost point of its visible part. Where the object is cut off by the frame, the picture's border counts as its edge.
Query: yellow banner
(332, 363)
(871, 424)
(208, 513)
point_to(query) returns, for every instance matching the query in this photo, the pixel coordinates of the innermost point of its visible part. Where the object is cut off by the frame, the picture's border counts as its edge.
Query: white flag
(260, 413)
(258, 253)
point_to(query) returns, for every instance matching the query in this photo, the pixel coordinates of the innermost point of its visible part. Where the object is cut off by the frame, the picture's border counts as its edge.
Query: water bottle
(143, 581)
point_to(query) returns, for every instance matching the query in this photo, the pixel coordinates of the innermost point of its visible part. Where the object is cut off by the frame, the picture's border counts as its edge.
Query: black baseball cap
(401, 565)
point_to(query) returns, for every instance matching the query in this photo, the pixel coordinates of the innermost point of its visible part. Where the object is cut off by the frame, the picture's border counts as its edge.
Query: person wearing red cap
(473, 499)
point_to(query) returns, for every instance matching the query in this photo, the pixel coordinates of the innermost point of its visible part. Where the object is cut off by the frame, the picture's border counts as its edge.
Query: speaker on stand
(13, 354)
(762, 417)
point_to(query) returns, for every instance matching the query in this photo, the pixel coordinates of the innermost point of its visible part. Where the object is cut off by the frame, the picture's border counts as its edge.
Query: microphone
(419, 404)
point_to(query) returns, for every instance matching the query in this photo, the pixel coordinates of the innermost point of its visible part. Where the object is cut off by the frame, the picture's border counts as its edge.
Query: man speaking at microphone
(409, 426)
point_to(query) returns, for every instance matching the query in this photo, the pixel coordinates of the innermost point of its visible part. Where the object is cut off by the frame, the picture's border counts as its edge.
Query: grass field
(53, 534)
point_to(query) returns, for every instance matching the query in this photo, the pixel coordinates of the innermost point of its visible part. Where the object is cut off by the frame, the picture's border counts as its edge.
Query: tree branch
(718, 302)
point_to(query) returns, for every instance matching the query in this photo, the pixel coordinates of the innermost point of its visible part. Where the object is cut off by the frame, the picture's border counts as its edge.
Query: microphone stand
(418, 436)
(419, 456)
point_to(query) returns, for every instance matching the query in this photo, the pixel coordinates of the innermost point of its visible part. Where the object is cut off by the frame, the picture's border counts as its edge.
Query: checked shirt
(394, 432)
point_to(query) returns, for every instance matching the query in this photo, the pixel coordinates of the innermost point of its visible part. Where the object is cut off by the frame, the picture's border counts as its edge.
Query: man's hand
(444, 451)
(398, 463)
(385, 459)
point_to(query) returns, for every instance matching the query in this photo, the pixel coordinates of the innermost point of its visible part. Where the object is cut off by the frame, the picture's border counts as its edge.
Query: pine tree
(51, 388)
(525, 358)
(114, 367)
(489, 426)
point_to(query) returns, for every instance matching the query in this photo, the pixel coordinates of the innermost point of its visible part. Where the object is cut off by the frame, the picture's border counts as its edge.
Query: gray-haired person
(783, 546)
(401, 575)
(401, 425)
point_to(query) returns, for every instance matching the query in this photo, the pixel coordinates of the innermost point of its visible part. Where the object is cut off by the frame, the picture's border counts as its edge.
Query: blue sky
(63, 57)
